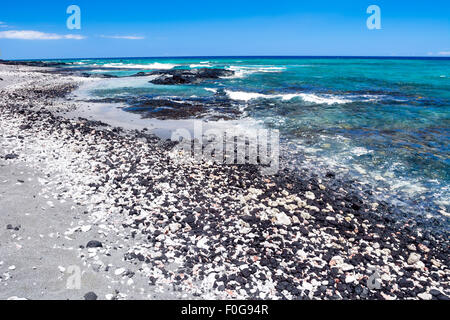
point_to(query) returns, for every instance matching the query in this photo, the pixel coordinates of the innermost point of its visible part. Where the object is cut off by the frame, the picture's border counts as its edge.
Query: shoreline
(199, 230)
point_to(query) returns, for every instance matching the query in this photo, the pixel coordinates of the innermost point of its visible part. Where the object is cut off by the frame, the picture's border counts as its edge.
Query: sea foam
(244, 71)
(151, 66)
(307, 97)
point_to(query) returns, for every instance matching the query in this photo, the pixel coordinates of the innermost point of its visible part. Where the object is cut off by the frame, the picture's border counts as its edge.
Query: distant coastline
(249, 57)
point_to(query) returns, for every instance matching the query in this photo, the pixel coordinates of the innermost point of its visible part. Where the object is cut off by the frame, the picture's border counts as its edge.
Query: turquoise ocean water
(383, 121)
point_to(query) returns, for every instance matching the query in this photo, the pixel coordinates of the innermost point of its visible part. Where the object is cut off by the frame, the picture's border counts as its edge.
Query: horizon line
(244, 56)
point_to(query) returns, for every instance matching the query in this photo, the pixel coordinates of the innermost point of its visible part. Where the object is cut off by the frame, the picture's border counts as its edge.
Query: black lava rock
(25, 127)
(33, 63)
(94, 244)
(435, 292)
(404, 283)
(181, 76)
(11, 156)
(90, 296)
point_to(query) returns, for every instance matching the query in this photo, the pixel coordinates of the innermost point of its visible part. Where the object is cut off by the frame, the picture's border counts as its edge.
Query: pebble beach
(142, 220)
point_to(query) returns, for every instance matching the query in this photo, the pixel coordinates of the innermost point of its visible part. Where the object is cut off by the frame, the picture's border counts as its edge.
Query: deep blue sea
(385, 122)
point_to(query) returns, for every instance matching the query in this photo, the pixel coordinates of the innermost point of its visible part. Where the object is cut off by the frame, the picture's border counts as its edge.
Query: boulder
(182, 76)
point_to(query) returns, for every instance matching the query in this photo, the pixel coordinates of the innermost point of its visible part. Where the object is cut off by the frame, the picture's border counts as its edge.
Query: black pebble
(11, 156)
(404, 283)
(90, 296)
(11, 227)
(435, 292)
(94, 244)
(25, 127)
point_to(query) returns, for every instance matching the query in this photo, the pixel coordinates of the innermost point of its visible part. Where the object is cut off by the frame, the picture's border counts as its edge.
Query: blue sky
(216, 28)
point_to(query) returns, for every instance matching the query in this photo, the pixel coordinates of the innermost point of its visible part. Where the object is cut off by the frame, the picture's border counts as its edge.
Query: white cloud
(444, 53)
(36, 35)
(124, 37)
(3, 24)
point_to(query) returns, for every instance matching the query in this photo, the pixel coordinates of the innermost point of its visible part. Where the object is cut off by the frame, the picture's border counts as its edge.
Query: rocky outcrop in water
(33, 63)
(173, 77)
(190, 109)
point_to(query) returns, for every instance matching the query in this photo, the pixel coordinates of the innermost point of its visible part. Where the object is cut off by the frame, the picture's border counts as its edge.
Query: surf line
(193, 310)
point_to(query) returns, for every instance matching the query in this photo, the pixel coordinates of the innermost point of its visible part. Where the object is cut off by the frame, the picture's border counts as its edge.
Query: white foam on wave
(246, 96)
(360, 151)
(151, 66)
(240, 72)
(204, 65)
(307, 97)
(328, 99)
(98, 71)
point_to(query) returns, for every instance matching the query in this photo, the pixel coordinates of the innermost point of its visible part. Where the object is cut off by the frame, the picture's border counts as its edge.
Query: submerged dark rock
(139, 74)
(167, 109)
(98, 75)
(173, 77)
(183, 109)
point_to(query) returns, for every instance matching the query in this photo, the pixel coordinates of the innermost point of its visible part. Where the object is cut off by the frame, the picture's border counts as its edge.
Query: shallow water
(385, 121)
